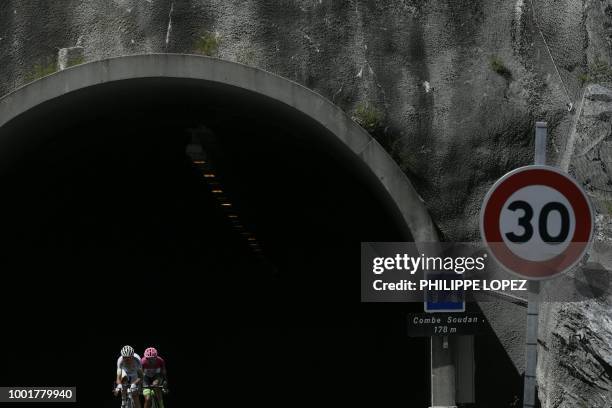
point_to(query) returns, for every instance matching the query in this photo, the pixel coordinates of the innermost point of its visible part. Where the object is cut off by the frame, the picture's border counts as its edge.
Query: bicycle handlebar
(125, 388)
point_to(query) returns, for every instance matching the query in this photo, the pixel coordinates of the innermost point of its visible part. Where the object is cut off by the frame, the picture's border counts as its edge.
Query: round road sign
(537, 222)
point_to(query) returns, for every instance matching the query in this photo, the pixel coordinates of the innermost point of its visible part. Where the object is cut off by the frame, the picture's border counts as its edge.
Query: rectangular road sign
(446, 324)
(443, 301)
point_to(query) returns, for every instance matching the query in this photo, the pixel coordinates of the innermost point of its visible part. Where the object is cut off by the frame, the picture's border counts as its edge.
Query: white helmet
(127, 351)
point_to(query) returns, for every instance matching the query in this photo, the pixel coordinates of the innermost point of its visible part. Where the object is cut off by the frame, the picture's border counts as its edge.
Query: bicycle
(127, 396)
(156, 396)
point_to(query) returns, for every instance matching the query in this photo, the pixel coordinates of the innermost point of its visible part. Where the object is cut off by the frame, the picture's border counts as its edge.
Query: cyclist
(154, 369)
(129, 374)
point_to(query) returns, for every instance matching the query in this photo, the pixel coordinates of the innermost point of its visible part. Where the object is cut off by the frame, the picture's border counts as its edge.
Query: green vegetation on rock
(42, 70)
(207, 44)
(497, 65)
(367, 116)
(598, 71)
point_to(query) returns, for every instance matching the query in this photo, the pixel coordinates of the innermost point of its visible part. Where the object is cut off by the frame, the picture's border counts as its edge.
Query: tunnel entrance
(220, 225)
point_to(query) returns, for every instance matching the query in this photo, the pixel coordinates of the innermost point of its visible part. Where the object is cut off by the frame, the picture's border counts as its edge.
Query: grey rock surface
(70, 56)
(451, 89)
(575, 362)
(418, 72)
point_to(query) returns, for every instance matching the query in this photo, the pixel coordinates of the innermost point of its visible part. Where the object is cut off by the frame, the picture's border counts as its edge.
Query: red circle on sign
(493, 206)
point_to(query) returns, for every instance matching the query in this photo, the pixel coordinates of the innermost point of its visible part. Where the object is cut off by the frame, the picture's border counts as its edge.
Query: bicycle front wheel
(126, 402)
(155, 403)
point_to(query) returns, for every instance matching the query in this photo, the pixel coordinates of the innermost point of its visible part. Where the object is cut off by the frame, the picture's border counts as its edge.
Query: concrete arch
(234, 75)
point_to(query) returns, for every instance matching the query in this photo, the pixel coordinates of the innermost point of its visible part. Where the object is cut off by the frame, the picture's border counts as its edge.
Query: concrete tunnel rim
(228, 73)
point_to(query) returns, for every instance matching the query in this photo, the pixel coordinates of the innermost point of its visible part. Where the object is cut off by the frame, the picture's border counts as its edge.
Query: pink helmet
(151, 352)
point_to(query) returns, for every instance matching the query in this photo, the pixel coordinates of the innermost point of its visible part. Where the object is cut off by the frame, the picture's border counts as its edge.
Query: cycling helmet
(127, 351)
(151, 352)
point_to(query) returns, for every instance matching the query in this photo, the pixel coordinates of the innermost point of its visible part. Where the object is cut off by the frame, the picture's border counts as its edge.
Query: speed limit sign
(537, 222)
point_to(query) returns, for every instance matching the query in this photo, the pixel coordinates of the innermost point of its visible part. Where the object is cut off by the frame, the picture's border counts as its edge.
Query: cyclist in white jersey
(129, 374)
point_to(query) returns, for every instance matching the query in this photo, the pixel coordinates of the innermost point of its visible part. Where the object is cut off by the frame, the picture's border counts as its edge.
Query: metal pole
(531, 341)
(540, 143)
(442, 373)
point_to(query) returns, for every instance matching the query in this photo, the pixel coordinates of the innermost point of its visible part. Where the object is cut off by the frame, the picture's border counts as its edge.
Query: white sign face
(536, 221)
(534, 228)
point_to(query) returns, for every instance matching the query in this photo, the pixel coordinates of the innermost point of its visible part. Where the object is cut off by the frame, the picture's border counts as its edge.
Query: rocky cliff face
(575, 367)
(450, 88)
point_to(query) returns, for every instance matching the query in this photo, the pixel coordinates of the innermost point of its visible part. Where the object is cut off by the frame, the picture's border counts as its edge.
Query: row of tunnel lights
(217, 190)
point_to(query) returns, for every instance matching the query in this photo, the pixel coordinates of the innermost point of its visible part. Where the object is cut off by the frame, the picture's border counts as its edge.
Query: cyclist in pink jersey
(154, 369)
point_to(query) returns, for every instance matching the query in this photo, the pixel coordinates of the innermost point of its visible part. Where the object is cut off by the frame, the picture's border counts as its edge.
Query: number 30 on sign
(537, 222)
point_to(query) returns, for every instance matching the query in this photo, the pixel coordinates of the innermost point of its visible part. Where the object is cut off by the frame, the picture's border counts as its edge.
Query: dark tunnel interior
(239, 262)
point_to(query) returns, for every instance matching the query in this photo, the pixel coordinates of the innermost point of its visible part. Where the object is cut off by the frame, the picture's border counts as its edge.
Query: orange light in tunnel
(199, 162)
(217, 191)
(209, 175)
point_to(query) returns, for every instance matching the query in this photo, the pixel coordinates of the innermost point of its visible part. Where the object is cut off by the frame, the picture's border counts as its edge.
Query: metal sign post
(451, 357)
(537, 223)
(531, 336)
